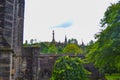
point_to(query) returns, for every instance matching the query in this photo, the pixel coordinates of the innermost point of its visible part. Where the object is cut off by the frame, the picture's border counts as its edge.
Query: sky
(78, 19)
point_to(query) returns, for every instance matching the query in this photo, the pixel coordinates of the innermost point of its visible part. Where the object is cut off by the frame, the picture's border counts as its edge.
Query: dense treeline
(57, 48)
(105, 52)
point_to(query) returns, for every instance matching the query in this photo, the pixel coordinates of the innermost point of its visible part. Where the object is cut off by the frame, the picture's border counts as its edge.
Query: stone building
(11, 37)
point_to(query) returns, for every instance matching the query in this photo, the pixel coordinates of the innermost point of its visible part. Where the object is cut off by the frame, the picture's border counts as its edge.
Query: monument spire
(65, 40)
(53, 39)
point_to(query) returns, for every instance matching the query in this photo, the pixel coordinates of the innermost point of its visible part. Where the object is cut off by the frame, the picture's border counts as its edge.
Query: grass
(113, 77)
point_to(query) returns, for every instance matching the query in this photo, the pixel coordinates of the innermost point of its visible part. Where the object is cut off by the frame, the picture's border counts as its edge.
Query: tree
(67, 68)
(52, 49)
(26, 43)
(31, 41)
(72, 48)
(105, 52)
(44, 47)
(73, 41)
(60, 49)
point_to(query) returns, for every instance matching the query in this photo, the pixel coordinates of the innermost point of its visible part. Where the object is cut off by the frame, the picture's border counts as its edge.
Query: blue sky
(77, 19)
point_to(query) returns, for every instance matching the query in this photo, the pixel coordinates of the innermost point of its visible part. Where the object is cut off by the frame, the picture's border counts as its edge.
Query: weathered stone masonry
(11, 37)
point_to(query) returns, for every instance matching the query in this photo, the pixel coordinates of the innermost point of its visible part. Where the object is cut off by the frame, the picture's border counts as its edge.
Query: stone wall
(5, 64)
(11, 29)
(30, 62)
(17, 34)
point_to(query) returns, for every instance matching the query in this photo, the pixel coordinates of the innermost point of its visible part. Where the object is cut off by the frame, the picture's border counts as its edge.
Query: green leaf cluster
(112, 15)
(52, 49)
(67, 68)
(72, 48)
(105, 52)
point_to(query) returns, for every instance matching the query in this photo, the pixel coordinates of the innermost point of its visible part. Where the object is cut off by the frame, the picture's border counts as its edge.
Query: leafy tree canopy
(72, 48)
(52, 49)
(67, 68)
(105, 52)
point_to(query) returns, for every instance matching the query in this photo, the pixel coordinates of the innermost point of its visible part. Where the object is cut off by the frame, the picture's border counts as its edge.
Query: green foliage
(113, 77)
(32, 43)
(105, 52)
(52, 49)
(55, 48)
(44, 47)
(72, 48)
(73, 41)
(112, 15)
(60, 50)
(67, 68)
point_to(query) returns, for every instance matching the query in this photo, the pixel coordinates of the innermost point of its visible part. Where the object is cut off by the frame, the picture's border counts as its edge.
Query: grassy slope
(113, 77)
